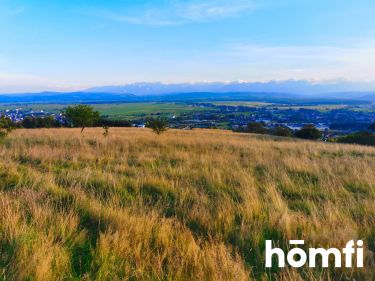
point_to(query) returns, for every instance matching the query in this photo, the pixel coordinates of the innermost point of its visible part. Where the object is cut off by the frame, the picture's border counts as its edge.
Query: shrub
(114, 123)
(256, 128)
(6, 126)
(106, 131)
(309, 132)
(282, 131)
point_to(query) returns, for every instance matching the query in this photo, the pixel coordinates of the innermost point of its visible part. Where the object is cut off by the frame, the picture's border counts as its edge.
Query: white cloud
(17, 11)
(178, 12)
(12, 11)
(209, 10)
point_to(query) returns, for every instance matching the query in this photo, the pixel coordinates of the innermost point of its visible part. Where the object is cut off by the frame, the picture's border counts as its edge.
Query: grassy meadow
(185, 205)
(117, 111)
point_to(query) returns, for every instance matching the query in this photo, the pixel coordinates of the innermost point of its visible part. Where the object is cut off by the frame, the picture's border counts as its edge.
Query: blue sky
(68, 45)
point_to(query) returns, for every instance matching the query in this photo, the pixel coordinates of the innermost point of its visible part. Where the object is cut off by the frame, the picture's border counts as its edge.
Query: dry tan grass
(186, 205)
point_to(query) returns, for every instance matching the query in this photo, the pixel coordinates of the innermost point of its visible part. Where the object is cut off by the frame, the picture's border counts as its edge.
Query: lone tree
(158, 125)
(309, 132)
(6, 126)
(81, 116)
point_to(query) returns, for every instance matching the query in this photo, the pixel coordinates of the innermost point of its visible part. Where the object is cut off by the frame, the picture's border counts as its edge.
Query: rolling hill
(186, 205)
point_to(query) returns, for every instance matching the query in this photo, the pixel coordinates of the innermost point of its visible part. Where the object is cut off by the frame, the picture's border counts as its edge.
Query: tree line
(310, 132)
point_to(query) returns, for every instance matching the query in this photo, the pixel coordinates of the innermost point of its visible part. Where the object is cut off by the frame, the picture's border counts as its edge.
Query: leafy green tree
(309, 132)
(81, 116)
(41, 122)
(50, 122)
(256, 128)
(158, 125)
(282, 131)
(6, 126)
(29, 122)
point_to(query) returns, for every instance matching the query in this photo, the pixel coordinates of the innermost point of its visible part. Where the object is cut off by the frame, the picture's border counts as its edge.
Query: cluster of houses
(333, 121)
(17, 115)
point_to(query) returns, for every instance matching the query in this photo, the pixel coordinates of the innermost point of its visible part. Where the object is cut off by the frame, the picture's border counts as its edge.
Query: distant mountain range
(279, 92)
(299, 87)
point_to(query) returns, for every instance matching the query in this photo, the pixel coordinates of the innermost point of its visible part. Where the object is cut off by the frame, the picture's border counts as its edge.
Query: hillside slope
(186, 205)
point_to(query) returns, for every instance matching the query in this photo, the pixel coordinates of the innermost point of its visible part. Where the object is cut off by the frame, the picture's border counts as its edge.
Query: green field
(242, 103)
(137, 110)
(117, 110)
(321, 107)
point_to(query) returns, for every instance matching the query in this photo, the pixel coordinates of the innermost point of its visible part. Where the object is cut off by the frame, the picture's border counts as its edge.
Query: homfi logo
(298, 257)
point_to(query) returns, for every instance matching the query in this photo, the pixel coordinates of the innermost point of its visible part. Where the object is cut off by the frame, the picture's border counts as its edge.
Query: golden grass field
(185, 205)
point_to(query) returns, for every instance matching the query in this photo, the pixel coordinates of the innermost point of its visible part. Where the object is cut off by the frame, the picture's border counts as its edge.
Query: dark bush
(364, 138)
(282, 131)
(6, 126)
(40, 122)
(309, 132)
(114, 123)
(256, 128)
